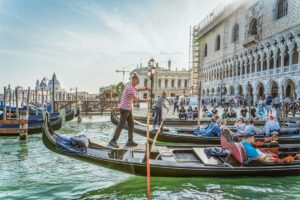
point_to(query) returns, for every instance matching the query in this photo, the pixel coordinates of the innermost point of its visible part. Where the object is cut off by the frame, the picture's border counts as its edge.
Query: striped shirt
(127, 99)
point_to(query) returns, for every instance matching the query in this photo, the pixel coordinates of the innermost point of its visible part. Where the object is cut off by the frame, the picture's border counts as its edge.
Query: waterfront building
(173, 82)
(47, 86)
(248, 49)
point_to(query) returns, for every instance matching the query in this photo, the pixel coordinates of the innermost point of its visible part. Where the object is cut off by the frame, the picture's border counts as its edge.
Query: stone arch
(240, 90)
(253, 27)
(289, 87)
(225, 91)
(272, 88)
(212, 91)
(260, 88)
(295, 54)
(203, 93)
(231, 90)
(250, 93)
(286, 56)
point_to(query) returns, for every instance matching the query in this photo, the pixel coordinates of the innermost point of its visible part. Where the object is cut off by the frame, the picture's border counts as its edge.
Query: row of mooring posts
(19, 118)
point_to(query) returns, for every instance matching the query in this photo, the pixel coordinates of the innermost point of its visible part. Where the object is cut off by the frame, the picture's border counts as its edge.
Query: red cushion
(238, 152)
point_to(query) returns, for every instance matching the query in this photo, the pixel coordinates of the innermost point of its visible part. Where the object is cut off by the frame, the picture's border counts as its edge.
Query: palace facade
(173, 82)
(248, 49)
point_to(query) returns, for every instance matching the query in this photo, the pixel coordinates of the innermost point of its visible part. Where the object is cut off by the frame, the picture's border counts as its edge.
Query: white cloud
(121, 36)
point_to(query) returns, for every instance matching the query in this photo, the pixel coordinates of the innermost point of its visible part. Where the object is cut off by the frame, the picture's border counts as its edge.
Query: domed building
(57, 86)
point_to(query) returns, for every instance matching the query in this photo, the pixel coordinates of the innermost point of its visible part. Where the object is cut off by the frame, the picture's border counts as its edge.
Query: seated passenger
(204, 111)
(225, 114)
(244, 111)
(253, 152)
(261, 113)
(250, 128)
(232, 113)
(190, 113)
(211, 130)
(253, 113)
(182, 113)
(240, 126)
(272, 126)
(214, 111)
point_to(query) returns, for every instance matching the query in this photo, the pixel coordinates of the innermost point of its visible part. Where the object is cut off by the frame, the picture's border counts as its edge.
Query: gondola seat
(237, 150)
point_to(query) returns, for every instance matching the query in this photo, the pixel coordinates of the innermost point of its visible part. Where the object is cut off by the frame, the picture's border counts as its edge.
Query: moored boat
(70, 114)
(288, 135)
(174, 161)
(34, 127)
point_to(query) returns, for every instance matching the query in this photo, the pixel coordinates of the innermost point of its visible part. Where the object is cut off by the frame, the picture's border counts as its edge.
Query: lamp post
(151, 72)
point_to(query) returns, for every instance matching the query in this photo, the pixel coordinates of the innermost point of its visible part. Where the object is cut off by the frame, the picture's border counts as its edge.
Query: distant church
(47, 84)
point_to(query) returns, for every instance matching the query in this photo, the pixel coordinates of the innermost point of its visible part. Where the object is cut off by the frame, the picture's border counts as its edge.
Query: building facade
(173, 82)
(248, 49)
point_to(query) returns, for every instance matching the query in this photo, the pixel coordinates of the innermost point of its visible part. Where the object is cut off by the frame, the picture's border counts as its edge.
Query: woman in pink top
(125, 107)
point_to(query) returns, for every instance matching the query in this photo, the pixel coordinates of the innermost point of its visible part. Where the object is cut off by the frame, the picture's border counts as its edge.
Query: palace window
(145, 82)
(205, 50)
(253, 27)
(218, 43)
(179, 83)
(173, 83)
(235, 33)
(282, 8)
(166, 83)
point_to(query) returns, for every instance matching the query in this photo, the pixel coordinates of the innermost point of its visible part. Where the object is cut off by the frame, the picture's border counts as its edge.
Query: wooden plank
(205, 159)
(13, 121)
(9, 131)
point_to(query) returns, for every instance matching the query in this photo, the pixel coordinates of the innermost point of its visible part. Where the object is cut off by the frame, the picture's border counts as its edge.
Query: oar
(148, 153)
(160, 126)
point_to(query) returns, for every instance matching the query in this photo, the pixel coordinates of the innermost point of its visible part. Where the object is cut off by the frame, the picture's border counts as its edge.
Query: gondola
(69, 114)
(34, 127)
(176, 121)
(173, 161)
(187, 136)
(77, 112)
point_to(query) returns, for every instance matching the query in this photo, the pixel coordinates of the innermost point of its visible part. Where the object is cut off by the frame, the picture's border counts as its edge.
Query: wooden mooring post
(21, 120)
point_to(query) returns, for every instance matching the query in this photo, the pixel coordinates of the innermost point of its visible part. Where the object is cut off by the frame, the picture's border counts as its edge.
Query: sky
(85, 41)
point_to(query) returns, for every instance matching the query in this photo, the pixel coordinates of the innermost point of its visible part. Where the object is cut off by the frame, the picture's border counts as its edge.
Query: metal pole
(53, 94)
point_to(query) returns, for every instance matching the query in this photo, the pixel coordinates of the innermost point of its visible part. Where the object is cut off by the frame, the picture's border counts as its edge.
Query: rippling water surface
(29, 171)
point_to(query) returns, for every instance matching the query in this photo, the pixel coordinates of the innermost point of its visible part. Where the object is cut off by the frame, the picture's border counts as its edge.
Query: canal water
(30, 171)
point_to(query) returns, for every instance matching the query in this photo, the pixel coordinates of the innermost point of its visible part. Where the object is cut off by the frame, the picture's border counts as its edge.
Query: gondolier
(125, 107)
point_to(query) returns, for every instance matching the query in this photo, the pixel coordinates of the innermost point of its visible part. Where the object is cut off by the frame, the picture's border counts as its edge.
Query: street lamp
(151, 72)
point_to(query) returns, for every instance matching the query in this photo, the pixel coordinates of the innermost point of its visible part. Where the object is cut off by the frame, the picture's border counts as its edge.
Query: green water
(29, 171)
